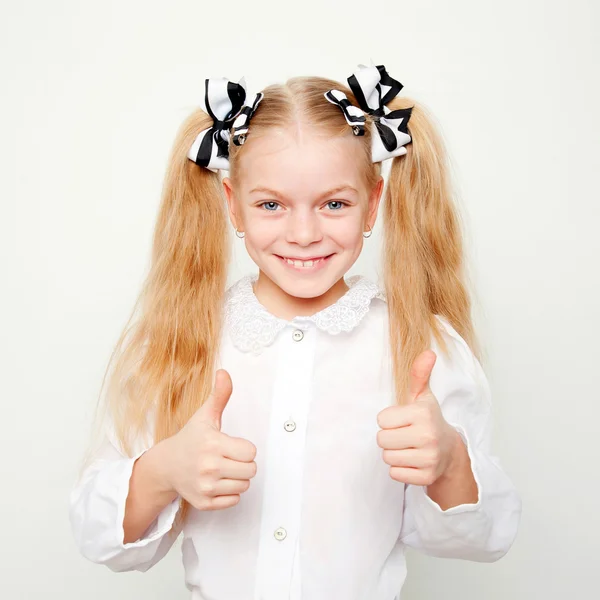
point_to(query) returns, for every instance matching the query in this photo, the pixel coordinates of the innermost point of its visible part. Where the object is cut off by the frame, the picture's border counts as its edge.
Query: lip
(304, 259)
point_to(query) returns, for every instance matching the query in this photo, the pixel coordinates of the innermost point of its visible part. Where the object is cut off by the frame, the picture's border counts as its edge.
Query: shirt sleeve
(97, 508)
(483, 531)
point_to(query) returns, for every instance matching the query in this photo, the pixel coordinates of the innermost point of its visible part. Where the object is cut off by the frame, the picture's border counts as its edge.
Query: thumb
(214, 406)
(420, 373)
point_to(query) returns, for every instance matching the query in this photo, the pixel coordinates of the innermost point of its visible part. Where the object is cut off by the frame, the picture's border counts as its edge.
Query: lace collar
(252, 326)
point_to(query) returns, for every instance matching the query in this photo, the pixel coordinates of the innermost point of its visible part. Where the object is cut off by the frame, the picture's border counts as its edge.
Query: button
(280, 533)
(289, 425)
(297, 335)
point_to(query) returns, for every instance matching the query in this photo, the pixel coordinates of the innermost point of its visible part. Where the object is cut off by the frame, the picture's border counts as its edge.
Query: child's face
(282, 205)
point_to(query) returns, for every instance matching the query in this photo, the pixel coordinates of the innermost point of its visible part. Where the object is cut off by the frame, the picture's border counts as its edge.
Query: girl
(301, 428)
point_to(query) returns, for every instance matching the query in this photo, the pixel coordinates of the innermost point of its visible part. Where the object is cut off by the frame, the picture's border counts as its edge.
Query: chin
(304, 285)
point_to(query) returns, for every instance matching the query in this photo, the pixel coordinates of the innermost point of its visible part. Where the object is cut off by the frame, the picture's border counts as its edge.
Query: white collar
(252, 326)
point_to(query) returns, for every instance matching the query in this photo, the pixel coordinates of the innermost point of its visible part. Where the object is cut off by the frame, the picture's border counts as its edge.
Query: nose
(303, 227)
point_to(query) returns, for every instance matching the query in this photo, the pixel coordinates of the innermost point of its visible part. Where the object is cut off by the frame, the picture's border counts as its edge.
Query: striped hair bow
(240, 125)
(225, 103)
(355, 117)
(373, 88)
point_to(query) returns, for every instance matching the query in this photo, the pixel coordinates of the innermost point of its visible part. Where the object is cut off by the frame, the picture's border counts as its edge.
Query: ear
(228, 188)
(374, 199)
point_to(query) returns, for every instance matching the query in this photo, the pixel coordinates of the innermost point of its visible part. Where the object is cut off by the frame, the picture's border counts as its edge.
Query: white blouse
(322, 517)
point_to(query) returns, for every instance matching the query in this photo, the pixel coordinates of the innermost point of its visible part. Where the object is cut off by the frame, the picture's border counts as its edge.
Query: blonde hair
(163, 362)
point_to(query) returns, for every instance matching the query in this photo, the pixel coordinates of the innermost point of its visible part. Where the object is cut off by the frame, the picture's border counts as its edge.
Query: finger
(212, 409)
(219, 502)
(409, 457)
(410, 475)
(234, 469)
(228, 487)
(395, 416)
(420, 373)
(238, 448)
(398, 439)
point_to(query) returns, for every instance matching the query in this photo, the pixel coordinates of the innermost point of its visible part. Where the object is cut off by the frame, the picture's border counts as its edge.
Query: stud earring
(238, 233)
(370, 232)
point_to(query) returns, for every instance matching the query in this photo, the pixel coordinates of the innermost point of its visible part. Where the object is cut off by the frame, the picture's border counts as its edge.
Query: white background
(92, 94)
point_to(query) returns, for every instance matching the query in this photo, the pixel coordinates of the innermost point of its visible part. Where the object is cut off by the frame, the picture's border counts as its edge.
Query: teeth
(299, 263)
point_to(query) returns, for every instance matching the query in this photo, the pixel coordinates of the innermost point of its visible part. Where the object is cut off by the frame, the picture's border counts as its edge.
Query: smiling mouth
(315, 260)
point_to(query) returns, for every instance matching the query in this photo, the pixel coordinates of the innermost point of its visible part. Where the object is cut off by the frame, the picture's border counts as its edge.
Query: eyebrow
(334, 190)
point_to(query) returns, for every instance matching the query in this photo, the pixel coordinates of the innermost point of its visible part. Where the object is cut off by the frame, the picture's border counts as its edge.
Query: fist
(207, 467)
(417, 441)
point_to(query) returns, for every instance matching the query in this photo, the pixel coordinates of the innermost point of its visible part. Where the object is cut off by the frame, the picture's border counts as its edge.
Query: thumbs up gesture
(209, 468)
(417, 441)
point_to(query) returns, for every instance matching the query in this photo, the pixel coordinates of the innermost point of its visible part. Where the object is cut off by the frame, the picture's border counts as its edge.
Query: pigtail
(423, 250)
(161, 370)
(190, 255)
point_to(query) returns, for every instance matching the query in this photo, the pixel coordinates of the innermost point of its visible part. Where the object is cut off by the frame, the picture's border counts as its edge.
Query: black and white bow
(374, 88)
(240, 125)
(225, 103)
(355, 117)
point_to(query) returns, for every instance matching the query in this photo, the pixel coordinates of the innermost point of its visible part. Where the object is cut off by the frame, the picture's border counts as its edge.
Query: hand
(209, 468)
(417, 441)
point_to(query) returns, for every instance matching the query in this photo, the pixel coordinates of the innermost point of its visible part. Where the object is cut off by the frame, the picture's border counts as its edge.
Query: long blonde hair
(163, 362)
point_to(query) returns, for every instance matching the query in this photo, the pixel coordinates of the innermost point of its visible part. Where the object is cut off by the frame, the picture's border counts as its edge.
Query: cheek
(261, 235)
(345, 232)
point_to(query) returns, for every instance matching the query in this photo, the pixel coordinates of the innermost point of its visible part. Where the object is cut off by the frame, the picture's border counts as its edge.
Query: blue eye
(339, 202)
(269, 202)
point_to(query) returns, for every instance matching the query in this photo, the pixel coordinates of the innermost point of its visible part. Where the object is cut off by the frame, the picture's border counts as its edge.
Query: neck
(281, 304)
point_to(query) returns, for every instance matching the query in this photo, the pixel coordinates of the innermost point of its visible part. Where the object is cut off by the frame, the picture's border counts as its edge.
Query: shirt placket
(278, 574)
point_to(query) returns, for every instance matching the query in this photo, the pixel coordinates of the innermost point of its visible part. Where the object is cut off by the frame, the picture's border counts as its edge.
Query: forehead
(301, 161)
